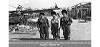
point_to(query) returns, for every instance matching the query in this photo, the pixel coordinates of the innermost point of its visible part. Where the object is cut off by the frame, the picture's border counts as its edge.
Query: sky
(43, 3)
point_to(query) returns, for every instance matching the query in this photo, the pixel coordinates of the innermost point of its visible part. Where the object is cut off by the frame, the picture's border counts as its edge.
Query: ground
(80, 37)
(79, 31)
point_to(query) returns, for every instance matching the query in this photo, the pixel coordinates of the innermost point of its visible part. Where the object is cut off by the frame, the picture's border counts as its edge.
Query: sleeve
(70, 20)
(38, 23)
(61, 22)
(47, 22)
(51, 23)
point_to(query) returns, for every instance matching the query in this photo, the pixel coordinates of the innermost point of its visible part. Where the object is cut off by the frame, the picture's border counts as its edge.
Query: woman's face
(65, 15)
(55, 16)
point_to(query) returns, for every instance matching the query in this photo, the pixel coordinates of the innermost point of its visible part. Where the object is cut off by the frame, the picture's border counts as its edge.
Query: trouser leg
(66, 32)
(46, 33)
(55, 33)
(52, 32)
(41, 33)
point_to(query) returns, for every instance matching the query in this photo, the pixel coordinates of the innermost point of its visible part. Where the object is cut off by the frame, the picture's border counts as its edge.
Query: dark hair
(41, 14)
(64, 11)
(53, 13)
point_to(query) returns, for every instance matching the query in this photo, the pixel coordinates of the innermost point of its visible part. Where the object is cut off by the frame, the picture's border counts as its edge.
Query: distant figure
(55, 26)
(19, 8)
(43, 24)
(65, 23)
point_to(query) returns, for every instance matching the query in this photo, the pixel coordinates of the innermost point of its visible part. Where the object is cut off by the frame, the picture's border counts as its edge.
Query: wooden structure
(81, 11)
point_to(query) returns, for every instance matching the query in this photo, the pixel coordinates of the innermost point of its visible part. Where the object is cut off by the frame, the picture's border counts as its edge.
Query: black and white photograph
(49, 23)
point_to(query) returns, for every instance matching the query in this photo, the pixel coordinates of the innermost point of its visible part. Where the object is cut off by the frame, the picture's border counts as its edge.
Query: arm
(51, 24)
(48, 23)
(70, 20)
(60, 22)
(38, 23)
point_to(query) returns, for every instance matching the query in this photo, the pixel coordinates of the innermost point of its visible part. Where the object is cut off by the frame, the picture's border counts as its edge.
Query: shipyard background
(24, 20)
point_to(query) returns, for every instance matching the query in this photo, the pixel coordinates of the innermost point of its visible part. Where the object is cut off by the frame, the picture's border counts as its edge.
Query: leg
(41, 33)
(65, 33)
(46, 33)
(58, 34)
(53, 32)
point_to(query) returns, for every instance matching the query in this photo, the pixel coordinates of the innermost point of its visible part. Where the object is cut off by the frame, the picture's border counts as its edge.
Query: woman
(54, 26)
(65, 23)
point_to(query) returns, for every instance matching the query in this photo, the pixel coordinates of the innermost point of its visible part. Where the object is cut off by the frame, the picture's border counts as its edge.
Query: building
(81, 11)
